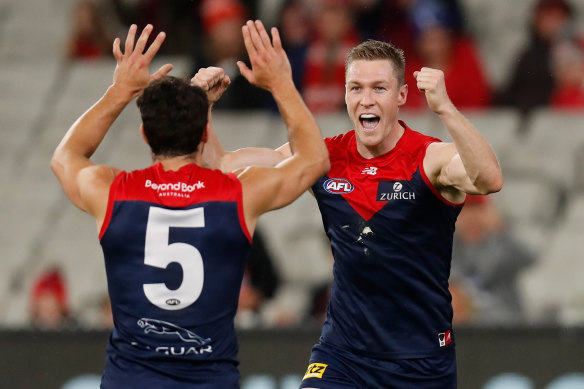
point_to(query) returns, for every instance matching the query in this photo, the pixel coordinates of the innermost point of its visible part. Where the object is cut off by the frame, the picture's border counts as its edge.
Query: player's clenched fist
(431, 82)
(213, 81)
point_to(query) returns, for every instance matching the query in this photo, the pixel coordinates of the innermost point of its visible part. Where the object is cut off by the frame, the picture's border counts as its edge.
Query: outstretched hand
(132, 70)
(213, 81)
(431, 83)
(270, 66)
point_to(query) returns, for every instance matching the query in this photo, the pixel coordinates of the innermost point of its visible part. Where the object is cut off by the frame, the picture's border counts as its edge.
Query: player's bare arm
(86, 184)
(267, 188)
(214, 82)
(468, 165)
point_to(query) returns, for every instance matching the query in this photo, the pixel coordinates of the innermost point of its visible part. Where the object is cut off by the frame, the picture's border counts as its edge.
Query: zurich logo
(397, 187)
(338, 186)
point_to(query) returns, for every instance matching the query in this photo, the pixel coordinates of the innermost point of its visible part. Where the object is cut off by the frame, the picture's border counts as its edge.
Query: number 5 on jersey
(159, 253)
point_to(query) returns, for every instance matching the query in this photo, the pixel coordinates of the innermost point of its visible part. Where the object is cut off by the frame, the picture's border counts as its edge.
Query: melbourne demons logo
(338, 186)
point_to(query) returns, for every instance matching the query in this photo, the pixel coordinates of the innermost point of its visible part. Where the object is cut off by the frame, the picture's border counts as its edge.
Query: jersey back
(391, 236)
(174, 244)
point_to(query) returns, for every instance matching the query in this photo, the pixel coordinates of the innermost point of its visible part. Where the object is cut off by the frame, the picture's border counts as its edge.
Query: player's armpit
(445, 171)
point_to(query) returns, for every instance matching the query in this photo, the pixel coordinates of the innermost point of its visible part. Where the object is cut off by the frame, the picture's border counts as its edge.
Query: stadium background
(41, 95)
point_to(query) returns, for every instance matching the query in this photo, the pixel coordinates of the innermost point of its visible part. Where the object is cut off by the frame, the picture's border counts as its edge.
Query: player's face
(373, 98)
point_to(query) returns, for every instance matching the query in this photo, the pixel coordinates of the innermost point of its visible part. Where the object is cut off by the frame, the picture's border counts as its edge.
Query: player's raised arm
(214, 82)
(84, 183)
(467, 166)
(266, 188)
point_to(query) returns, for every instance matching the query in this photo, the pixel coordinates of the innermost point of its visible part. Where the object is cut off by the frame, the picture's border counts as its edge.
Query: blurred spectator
(223, 47)
(49, 306)
(568, 72)
(439, 45)
(319, 304)
(462, 304)
(178, 18)
(396, 19)
(532, 82)
(486, 262)
(295, 25)
(88, 38)
(260, 282)
(324, 75)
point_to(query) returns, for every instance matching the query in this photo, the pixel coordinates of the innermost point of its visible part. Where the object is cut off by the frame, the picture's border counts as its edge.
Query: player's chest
(368, 188)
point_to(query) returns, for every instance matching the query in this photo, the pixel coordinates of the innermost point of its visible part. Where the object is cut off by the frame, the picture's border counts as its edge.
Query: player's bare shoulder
(438, 155)
(94, 183)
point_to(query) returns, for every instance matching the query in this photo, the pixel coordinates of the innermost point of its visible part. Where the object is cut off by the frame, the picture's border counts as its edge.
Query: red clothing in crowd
(466, 81)
(323, 87)
(568, 97)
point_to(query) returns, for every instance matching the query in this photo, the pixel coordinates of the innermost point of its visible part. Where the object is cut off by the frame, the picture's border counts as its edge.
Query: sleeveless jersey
(174, 244)
(391, 236)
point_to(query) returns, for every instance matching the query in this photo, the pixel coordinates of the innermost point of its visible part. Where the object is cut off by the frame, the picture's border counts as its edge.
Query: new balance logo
(371, 170)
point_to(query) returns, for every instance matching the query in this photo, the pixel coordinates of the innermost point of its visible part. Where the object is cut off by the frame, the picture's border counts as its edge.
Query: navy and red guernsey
(175, 244)
(391, 236)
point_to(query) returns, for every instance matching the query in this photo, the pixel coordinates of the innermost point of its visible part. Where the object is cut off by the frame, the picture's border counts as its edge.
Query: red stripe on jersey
(399, 164)
(189, 185)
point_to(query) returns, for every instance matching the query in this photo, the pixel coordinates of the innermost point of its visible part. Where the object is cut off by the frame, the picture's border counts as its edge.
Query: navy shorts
(121, 373)
(330, 368)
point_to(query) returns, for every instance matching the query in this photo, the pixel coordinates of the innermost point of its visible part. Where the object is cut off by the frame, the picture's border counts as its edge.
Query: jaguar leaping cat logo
(165, 328)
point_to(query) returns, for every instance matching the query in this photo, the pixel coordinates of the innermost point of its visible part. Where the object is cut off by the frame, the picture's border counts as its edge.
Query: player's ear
(143, 134)
(403, 95)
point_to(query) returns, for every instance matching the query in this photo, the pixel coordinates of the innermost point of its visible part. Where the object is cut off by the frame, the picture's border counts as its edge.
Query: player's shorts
(330, 368)
(120, 373)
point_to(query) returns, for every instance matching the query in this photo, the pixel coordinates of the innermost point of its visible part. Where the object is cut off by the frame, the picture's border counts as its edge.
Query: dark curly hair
(174, 114)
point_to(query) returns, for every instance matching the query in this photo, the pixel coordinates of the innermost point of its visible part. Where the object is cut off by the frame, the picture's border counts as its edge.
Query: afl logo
(397, 187)
(172, 302)
(338, 186)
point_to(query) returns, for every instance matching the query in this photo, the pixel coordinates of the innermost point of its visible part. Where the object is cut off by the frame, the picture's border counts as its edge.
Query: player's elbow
(314, 167)
(57, 162)
(492, 183)
(324, 163)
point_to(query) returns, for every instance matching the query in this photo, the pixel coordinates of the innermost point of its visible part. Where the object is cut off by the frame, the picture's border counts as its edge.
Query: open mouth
(369, 121)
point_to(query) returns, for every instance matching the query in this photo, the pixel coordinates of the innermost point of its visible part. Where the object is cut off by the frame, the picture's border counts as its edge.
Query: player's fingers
(276, 39)
(129, 47)
(217, 77)
(245, 71)
(225, 82)
(199, 80)
(163, 71)
(155, 46)
(265, 38)
(255, 36)
(251, 51)
(116, 49)
(143, 39)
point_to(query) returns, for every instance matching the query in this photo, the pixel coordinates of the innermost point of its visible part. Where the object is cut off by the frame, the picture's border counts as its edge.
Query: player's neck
(385, 146)
(175, 163)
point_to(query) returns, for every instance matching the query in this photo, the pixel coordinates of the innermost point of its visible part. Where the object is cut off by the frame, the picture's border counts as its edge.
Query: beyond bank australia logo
(338, 186)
